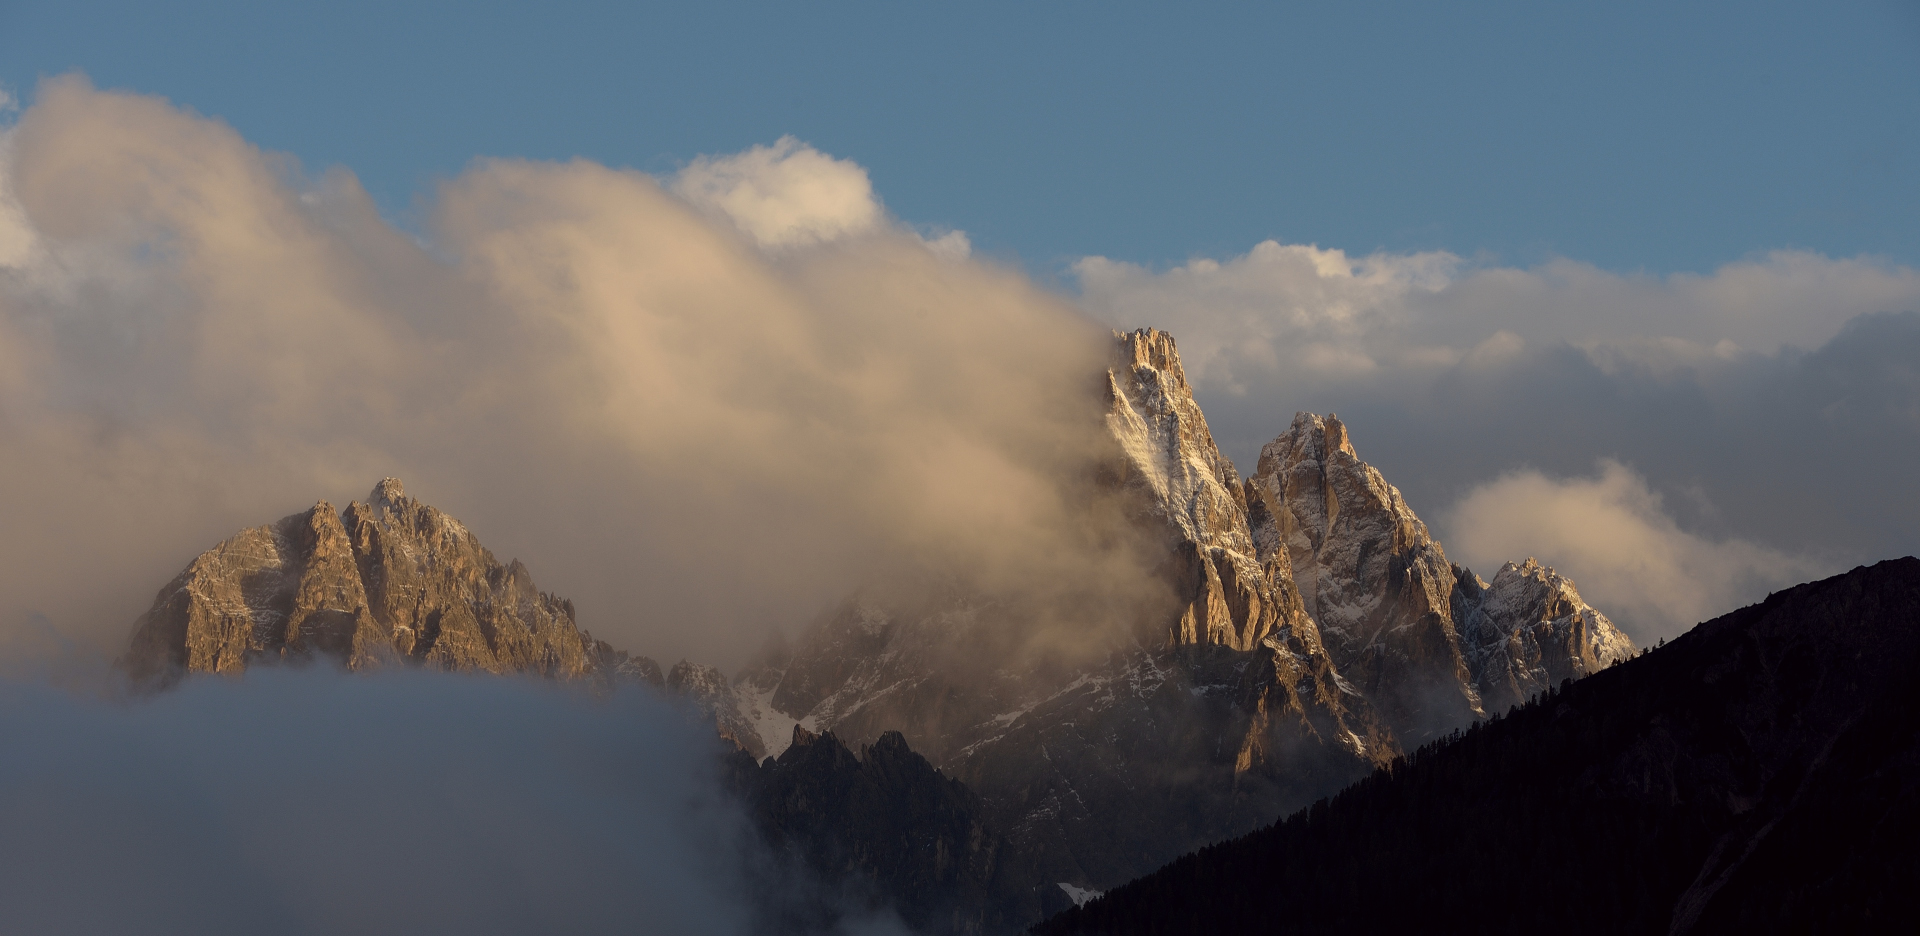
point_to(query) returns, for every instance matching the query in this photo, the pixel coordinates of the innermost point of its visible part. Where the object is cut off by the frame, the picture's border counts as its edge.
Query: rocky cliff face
(383, 582)
(707, 690)
(1314, 627)
(1428, 643)
(1228, 594)
(1369, 574)
(1529, 630)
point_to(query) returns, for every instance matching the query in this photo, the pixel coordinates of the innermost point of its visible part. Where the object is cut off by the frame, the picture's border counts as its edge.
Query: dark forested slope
(880, 831)
(1759, 773)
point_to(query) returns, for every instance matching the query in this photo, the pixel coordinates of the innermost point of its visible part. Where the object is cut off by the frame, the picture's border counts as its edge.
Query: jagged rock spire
(1428, 643)
(1227, 596)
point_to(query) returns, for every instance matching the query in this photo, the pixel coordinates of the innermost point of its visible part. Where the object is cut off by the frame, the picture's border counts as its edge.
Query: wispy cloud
(694, 434)
(1291, 307)
(1624, 550)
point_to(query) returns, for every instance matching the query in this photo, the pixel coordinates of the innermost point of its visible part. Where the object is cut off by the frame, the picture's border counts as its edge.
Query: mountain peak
(390, 581)
(1316, 436)
(1153, 348)
(388, 494)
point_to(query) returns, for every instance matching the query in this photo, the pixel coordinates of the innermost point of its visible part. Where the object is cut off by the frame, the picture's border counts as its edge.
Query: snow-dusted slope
(1528, 631)
(734, 715)
(1226, 593)
(1369, 575)
(1427, 642)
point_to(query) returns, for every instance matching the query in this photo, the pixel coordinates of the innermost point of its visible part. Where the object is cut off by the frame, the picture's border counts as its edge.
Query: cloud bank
(443, 804)
(1770, 410)
(1634, 561)
(702, 410)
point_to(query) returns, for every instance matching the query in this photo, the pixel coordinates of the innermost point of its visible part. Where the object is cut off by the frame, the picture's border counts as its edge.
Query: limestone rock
(1528, 631)
(1315, 630)
(1369, 574)
(1427, 642)
(386, 581)
(1180, 479)
(1222, 714)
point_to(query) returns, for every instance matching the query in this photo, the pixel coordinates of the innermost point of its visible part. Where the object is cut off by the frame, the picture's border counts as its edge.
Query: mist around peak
(703, 408)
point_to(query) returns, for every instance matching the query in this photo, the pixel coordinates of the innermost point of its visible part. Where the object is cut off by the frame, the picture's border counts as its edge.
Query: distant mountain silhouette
(1759, 774)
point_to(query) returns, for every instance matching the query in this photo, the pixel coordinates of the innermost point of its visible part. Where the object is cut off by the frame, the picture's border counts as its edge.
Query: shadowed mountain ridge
(1759, 774)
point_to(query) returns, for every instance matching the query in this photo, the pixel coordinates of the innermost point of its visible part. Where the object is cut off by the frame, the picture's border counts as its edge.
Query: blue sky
(1634, 136)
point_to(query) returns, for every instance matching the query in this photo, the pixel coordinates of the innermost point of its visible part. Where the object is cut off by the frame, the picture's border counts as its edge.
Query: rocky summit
(1429, 643)
(387, 581)
(1314, 629)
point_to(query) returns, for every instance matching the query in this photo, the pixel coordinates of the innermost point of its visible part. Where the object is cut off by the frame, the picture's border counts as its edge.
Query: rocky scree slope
(1760, 774)
(1313, 627)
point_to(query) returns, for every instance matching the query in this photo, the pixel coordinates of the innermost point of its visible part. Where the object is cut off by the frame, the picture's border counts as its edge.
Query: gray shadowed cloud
(1678, 446)
(440, 803)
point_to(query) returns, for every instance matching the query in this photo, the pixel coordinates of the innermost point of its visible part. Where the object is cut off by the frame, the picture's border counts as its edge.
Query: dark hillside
(1757, 774)
(881, 831)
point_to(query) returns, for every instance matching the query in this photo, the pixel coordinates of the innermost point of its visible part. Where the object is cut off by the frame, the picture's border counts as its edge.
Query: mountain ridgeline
(381, 583)
(1311, 632)
(1759, 774)
(1315, 630)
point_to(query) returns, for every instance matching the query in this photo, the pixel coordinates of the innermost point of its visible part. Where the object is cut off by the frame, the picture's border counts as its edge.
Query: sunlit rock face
(1427, 642)
(1379, 587)
(1312, 629)
(383, 582)
(1226, 595)
(1530, 630)
(1217, 710)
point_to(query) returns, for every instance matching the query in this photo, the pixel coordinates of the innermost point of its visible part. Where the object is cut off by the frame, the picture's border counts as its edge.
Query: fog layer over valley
(439, 803)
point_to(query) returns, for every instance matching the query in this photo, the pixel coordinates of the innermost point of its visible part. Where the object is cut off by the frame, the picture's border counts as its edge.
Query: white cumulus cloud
(1614, 538)
(1285, 312)
(784, 195)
